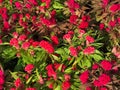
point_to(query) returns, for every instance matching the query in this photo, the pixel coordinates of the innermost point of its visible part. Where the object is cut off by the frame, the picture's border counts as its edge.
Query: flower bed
(59, 45)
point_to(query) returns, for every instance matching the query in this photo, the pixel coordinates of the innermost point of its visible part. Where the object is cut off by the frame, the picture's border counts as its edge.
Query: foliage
(59, 44)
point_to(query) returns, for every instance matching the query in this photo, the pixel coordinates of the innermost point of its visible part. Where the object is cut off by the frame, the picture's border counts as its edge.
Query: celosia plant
(59, 44)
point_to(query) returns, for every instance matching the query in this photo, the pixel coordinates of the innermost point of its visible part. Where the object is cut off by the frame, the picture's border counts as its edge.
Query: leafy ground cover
(59, 45)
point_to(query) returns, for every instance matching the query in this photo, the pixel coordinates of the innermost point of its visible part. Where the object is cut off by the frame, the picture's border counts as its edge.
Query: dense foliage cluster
(59, 45)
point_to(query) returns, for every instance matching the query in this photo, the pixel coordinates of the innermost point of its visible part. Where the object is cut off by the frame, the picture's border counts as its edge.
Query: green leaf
(9, 53)
(26, 57)
(85, 63)
(97, 45)
(58, 87)
(63, 52)
(68, 70)
(58, 5)
(97, 57)
(14, 75)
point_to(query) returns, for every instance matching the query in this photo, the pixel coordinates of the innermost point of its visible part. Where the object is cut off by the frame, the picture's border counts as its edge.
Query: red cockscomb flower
(106, 65)
(55, 40)
(66, 85)
(105, 2)
(18, 83)
(88, 88)
(0, 41)
(18, 5)
(84, 77)
(73, 51)
(35, 43)
(51, 72)
(83, 25)
(95, 66)
(47, 46)
(97, 83)
(89, 39)
(30, 88)
(22, 37)
(112, 23)
(25, 45)
(14, 42)
(101, 26)
(73, 19)
(114, 7)
(104, 79)
(103, 88)
(29, 68)
(89, 50)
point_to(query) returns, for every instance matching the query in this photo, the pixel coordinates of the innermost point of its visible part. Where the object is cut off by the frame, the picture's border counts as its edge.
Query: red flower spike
(30, 88)
(51, 72)
(88, 88)
(47, 46)
(18, 5)
(89, 39)
(112, 23)
(106, 65)
(66, 85)
(84, 77)
(97, 83)
(101, 26)
(22, 37)
(55, 40)
(18, 83)
(95, 66)
(103, 88)
(104, 79)
(25, 45)
(73, 19)
(73, 51)
(29, 68)
(114, 7)
(89, 50)
(83, 25)
(14, 42)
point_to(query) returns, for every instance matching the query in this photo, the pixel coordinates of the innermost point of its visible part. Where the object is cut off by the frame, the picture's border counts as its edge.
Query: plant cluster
(59, 45)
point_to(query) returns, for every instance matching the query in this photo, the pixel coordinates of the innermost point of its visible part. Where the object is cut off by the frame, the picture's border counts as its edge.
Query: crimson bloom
(106, 65)
(84, 77)
(18, 83)
(25, 45)
(22, 37)
(104, 79)
(30, 88)
(95, 66)
(89, 39)
(83, 25)
(105, 2)
(0, 41)
(89, 50)
(73, 19)
(29, 68)
(55, 40)
(101, 26)
(51, 72)
(73, 51)
(114, 7)
(47, 46)
(47, 3)
(97, 83)
(14, 42)
(72, 5)
(18, 5)
(66, 85)
(112, 23)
